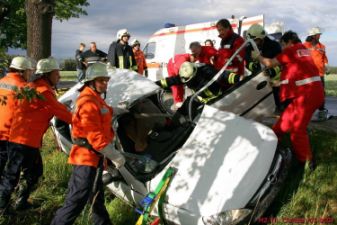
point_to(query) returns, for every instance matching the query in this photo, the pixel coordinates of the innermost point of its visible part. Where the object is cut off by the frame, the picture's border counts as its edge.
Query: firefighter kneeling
(195, 76)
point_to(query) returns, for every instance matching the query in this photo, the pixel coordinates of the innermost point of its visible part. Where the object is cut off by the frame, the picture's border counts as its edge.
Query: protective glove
(114, 155)
(254, 67)
(255, 55)
(273, 72)
(270, 72)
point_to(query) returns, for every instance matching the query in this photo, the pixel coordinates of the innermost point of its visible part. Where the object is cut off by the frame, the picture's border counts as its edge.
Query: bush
(4, 62)
(333, 70)
(68, 65)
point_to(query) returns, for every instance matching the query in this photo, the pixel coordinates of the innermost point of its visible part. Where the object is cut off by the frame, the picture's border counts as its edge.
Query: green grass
(308, 195)
(52, 189)
(331, 85)
(304, 195)
(69, 75)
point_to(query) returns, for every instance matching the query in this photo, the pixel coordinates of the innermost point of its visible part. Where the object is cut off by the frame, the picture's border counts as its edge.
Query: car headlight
(230, 217)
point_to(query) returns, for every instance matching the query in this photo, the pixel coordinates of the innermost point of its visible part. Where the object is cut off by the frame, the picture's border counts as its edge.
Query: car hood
(128, 86)
(222, 164)
(125, 86)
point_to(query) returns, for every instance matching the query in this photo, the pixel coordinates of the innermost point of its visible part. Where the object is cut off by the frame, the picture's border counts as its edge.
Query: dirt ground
(328, 125)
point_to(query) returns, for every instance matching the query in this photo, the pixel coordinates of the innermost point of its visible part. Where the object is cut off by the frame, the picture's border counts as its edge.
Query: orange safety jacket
(8, 85)
(140, 60)
(318, 55)
(91, 121)
(31, 119)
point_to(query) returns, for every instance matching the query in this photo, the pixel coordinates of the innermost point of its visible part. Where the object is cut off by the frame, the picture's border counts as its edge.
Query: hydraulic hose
(248, 40)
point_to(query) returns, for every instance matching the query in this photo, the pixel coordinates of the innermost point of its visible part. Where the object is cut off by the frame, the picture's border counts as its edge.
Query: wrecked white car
(228, 168)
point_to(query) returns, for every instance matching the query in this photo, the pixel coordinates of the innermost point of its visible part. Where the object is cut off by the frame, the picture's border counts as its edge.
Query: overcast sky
(144, 17)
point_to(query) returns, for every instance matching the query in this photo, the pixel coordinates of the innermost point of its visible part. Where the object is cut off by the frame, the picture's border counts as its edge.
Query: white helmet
(96, 70)
(313, 31)
(135, 42)
(187, 71)
(21, 63)
(273, 28)
(122, 32)
(47, 65)
(256, 31)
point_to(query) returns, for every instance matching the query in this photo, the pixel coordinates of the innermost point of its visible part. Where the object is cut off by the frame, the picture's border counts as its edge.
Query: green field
(331, 85)
(69, 75)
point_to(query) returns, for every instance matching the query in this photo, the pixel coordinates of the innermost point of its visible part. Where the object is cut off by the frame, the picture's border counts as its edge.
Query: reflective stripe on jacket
(121, 56)
(297, 68)
(92, 121)
(31, 119)
(8, 85)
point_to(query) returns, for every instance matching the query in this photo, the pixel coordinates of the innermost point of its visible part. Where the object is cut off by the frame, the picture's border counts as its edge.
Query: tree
(13, 26)
(32, 30)
(39, 27)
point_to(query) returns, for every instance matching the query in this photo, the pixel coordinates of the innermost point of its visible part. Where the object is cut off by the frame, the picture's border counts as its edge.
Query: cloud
(142, 18)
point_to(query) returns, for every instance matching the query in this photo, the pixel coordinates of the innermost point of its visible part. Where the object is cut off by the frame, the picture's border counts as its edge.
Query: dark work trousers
(276, 94)
(80, 192)
(322, 107)
(20, 157)
(3, 156)
(29, 177)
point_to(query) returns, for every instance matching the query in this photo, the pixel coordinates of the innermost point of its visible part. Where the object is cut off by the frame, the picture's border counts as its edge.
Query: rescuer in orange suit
(230, 43)
(20, 71)
(301, 88)
(318, 53)
(30, 122)
(139, 57)
(92, 140)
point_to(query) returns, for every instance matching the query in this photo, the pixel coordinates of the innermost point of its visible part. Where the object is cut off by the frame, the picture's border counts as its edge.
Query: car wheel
(267, 200)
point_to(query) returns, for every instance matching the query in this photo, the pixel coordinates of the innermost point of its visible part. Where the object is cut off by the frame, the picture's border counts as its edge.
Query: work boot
(22, 204)
(22, 196)
(4, 206)
(6, 212)
(312, 164)
(322, 114)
